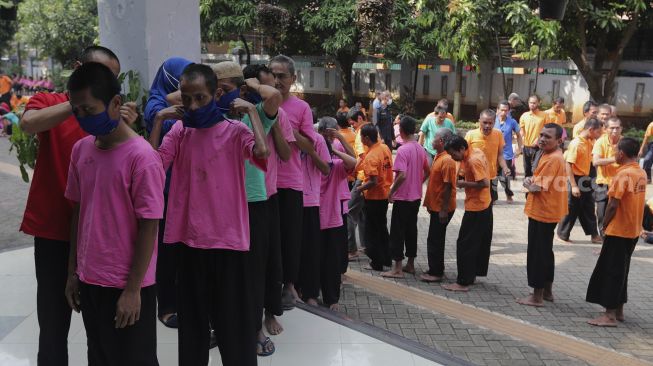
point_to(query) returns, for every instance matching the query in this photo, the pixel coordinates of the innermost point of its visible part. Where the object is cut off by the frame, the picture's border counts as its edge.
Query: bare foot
(428, 278)
(353, 256)
(603, 321)
(456, 287)
(409, 269)
(509, 200)
(272, 325)
(530, 301)
(312, 302)
(620, 314)
(564, 241)
(334, 307)
(370, 268)
(393, 274)
(548, 297)
(597, 239)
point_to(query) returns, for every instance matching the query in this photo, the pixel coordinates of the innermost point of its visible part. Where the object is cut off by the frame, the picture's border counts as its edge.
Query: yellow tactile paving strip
(551, 340)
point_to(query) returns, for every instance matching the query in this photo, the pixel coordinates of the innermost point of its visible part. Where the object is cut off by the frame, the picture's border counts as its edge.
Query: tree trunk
(345, 64)
(242, 39)
(457, 98)
(407, 86)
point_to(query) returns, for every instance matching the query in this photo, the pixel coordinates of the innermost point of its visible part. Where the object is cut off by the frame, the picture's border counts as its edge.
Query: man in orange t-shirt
(546, 204)
(440, 202)
(475, 235)
(623, 224)
(376, 165)
(581, 199)
(604, 160)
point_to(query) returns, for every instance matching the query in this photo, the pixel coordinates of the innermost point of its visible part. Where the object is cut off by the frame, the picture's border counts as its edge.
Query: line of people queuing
(237, 207)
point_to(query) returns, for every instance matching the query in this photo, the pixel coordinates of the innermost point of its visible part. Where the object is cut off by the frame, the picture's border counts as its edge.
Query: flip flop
(267, 342)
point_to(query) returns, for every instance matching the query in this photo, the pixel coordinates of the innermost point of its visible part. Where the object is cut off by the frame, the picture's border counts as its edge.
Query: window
(357, 80)
(639, 96)
(372, 82)
(444, 87)
(311, 78)
(388, 81)
(531, 87)
(555, 89)
(510, 82)
(463, 87)
(326, 80)
(426, 83)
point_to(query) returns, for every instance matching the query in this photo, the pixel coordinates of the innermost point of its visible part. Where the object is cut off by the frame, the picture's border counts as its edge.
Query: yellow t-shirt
(649, 131)
(579, 155)
(550, 204)
(491, 145)
(578, 128)
(532, 123)
(359, 149)
(559, 118)
(604, 149)
(629, 187)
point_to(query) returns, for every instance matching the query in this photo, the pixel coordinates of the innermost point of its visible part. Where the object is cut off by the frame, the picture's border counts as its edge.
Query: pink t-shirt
(312, 175)
(115, 188)
(410, 159)
(345, 194)
(330, 200)
(398, 134)
(274, 159)
(289, 173)
(207, 202)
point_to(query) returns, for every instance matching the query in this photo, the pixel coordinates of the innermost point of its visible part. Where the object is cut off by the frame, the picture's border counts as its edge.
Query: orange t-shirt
(476, 169)
(604, 149)
(629, 187)
(377, 162)
(359, 149)
(491, 145)
(443, 171)
(550, 204)
(5, 84)
(579, 155)
(552, 116)
(343, 110)
(578, 128)
(532, 123)
(350, 138)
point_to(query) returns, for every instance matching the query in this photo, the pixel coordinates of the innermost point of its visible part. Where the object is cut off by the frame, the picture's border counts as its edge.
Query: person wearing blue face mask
(208, 217)
(116, 183)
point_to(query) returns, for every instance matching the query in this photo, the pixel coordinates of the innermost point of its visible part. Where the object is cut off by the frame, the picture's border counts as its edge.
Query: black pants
(259, 236)
(529, 160)
(473, 245)
(581, 208)
(435, 242)
(133, 345)
(403, 229)
(291, 203)
(608, 285)
(52, 309)
(376, 233)
(505, 182)
(344, 264)
(333, 242)
(273, 273)
(309, 268)
(601, 199)
(215, 286)
(166, 272)
(540, 261)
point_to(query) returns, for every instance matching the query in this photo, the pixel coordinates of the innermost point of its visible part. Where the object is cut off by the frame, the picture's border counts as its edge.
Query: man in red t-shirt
(48, 213)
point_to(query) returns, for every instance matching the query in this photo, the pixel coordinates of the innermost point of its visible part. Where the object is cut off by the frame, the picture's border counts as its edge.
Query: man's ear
(218, 93)
(76, 64)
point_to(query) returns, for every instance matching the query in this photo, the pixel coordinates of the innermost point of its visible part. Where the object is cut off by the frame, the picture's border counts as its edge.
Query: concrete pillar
(143, 33)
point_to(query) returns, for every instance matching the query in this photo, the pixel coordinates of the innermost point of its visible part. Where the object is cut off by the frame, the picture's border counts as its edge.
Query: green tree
(8, 27)
(604, 26)
(60, 29)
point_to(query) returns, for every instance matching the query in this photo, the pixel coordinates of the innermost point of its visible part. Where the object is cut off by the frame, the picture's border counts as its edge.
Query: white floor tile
(419, 361)
(18, 354)
(18, 262)
(302, 327)
(374, 355)
(349, 336)
(25, 332)
(19, 295)
(320, 354)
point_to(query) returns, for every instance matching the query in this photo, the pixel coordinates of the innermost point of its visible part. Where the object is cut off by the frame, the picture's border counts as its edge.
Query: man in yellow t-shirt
(546, 204)
(646, 151)
(622, 225)
(556, 113)
(530, 126)
(489, 140)
(590, 109)
(603, 158)
(581, 202)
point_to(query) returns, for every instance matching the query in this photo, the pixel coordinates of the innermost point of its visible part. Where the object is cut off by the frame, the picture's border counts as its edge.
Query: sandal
(171, 322)
(267, 343)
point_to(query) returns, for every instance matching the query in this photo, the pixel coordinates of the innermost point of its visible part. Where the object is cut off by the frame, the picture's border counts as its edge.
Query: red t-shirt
(48, 212)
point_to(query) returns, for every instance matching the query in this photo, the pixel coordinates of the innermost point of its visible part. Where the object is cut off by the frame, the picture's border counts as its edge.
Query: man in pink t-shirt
(208, 217)
(116, 181)
(411, 169)
(290, 180)
(333, 233)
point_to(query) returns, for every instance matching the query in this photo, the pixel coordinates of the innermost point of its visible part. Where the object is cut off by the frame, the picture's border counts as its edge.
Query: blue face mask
(254, 98)
(203, 117)
(99, 124)
(224, 103)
